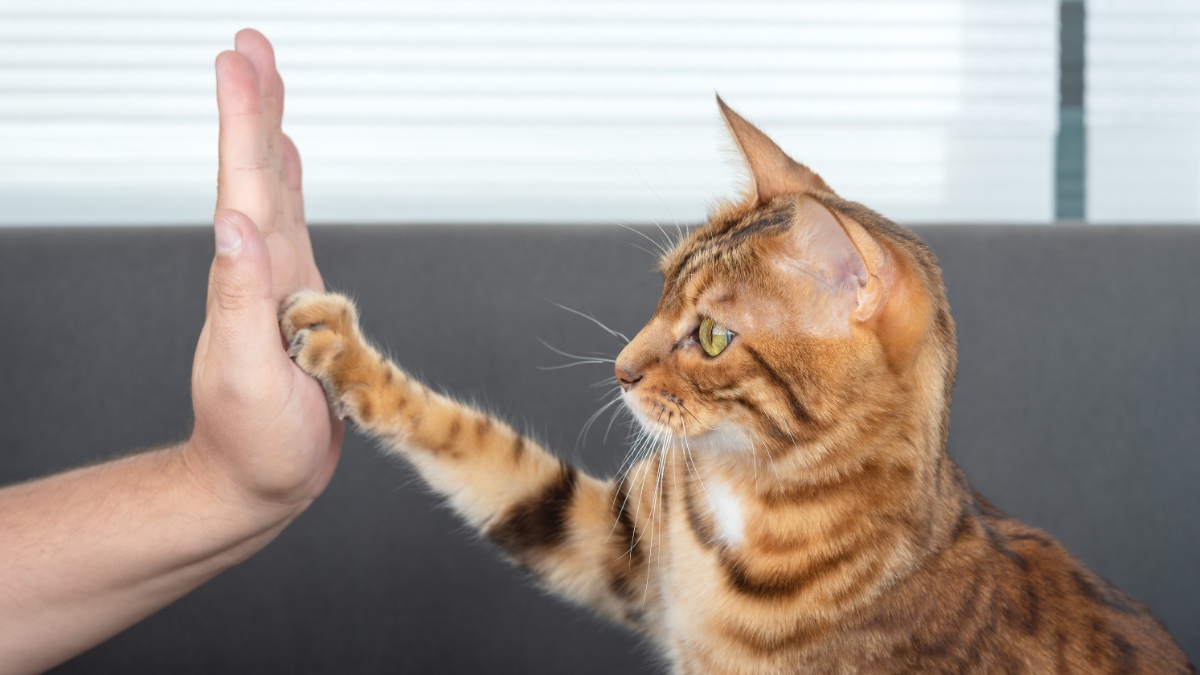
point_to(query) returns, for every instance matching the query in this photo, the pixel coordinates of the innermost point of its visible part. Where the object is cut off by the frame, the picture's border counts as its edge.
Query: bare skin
(90, 552)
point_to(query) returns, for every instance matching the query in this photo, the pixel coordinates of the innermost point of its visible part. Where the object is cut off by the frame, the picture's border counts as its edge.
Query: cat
(797, 510)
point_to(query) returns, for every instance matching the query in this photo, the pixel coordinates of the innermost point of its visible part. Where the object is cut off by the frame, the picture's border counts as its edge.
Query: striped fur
(800, 513)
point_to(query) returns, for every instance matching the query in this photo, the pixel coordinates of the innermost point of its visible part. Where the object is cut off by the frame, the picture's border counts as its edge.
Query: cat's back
(1005, 597)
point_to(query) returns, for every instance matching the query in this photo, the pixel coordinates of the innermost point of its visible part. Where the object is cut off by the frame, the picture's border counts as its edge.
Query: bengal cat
(798, 511)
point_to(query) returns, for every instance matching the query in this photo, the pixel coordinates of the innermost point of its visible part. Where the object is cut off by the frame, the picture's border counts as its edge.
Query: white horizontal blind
(1143, 111)
(534, 111)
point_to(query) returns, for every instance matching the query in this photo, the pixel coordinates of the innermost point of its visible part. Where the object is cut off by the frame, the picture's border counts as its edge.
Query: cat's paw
(322, 336)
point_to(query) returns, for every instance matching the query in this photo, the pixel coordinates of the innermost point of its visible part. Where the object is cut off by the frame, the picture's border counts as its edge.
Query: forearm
(90, 552)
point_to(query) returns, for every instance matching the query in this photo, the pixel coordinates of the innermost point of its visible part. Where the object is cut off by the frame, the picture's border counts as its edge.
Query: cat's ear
(772, 172)
(869, 284)
(840, 254)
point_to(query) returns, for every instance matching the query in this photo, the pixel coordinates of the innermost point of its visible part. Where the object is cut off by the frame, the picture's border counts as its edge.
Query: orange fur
(799, 507)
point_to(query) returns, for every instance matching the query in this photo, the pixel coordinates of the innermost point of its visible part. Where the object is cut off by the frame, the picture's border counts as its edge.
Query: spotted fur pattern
(794, 508)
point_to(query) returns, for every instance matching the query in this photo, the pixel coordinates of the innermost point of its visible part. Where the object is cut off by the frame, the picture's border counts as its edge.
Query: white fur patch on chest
(727, 512)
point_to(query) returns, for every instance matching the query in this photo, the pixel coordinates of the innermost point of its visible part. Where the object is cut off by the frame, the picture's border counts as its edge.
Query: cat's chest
(718, 600)
(727, 510)
(712, 525)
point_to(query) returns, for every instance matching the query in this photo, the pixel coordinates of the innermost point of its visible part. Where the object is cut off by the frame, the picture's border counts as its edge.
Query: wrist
(259, 516)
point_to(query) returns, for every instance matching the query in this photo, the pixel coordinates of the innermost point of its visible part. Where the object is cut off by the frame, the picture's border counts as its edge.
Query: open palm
(263, 421)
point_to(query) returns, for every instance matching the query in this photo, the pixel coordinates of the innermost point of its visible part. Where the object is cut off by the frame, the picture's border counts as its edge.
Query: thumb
(240, 303)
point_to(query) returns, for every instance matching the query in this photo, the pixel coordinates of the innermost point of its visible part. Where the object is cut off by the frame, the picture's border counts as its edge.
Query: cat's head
(792, 322)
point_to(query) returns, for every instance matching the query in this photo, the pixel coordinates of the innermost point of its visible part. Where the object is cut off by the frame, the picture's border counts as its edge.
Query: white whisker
(589, 317)
(569, 355)
(653, 511)
(657, 244)
(588, 424)
(700, 479)
(774, 469)
(577, 363)
(612, 419)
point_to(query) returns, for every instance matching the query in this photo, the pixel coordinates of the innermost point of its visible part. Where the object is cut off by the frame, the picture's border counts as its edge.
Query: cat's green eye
(713, 336)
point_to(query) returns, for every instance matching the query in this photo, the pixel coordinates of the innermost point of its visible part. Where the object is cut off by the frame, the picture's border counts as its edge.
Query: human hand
(263, 430)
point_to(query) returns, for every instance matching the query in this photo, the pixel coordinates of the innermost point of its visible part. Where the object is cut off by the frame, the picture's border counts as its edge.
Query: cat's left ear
(880, 290)
(772, 172)
(842, 254)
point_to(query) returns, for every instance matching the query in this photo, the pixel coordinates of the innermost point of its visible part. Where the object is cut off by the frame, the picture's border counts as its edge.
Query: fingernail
(229, 238)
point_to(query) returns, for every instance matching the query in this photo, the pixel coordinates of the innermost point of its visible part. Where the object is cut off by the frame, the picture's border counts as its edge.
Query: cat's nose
(627, 379)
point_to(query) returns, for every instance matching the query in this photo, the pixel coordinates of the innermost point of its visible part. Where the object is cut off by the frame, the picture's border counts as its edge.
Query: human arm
(87, 553)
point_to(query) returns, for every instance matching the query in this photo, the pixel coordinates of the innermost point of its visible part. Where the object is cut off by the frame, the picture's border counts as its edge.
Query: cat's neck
(898, 473)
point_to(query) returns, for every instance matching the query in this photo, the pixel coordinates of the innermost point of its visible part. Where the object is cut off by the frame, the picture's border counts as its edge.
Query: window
(522, 111)
(1143, 111)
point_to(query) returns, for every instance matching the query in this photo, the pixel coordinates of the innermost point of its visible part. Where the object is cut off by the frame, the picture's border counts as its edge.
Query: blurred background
(1076, 398)
(517, 111)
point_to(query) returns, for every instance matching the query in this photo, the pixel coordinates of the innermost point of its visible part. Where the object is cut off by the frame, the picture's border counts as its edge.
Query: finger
(258, 50)
(311, 277)
(293, 219)
(280, 146)
(244, 180)
(241, 318)
(279, 96)
(293, 176)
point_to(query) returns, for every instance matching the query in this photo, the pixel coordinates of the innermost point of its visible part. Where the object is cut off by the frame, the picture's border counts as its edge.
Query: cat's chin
(724, 437)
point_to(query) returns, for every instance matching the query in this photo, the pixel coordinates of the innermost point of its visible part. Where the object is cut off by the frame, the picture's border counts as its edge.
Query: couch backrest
(1077, 409)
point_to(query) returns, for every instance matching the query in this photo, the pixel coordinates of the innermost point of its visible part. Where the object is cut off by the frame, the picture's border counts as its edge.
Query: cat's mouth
(669, 421)
(661, 416)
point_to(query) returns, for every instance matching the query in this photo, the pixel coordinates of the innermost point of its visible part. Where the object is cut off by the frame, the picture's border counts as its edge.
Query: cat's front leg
(368, 389)
(383, 400)
(581, 536)
(460, 451)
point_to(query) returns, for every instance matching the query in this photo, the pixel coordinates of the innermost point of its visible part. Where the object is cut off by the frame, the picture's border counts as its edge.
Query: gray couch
(1077, 409)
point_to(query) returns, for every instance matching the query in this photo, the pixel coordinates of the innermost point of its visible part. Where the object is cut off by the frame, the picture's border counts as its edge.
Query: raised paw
(322, 336)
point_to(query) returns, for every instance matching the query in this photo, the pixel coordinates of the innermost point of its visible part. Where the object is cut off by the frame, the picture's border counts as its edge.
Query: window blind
(524, 111)
(1143, 111)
